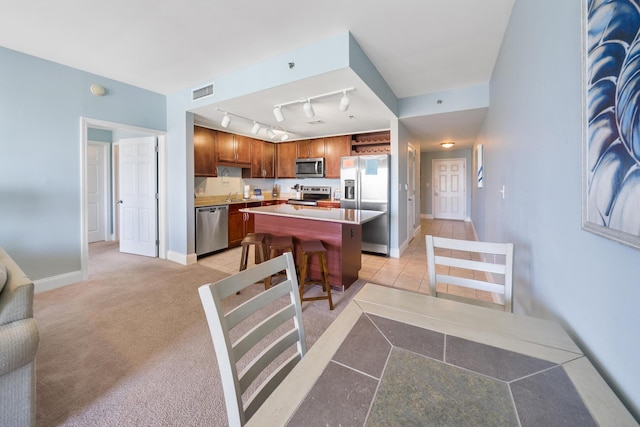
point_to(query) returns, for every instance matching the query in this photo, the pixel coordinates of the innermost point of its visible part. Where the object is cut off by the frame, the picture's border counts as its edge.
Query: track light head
(256, 128)
(308, 109)
(344, 101)
(277, 112)
(225, 120)
(284, 136)
(270, 133)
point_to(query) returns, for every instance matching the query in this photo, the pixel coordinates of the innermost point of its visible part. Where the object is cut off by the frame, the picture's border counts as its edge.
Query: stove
(311, 194)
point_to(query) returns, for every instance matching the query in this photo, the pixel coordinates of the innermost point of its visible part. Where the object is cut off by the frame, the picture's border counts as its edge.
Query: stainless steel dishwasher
(212, 229)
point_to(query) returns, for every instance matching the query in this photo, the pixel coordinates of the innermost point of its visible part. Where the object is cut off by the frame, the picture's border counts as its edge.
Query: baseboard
(182, 258)
(55, 282)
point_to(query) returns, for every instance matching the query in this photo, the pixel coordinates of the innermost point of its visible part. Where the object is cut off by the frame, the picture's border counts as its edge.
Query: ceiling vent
(316, 122)
(203, 92)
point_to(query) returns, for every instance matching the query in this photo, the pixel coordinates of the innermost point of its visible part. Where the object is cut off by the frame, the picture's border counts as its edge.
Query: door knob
(120, 202)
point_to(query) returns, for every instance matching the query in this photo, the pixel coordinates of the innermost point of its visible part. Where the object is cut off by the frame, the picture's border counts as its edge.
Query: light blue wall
(426, 177)
(41, 104)
(533, 142)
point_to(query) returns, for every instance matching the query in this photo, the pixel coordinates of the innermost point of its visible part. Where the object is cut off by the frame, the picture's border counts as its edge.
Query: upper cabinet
(233, 150)
(335, 148)
(262, 160)
(204, 152)
(286, 159)
(311, 148)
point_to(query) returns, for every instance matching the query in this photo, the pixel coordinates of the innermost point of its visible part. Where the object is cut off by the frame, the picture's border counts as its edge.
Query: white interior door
(449, 192)
(97, 192)
(138, 196)
(411, 199)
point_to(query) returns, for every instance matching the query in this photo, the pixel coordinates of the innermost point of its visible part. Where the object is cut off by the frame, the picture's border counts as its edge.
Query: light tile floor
(407, 272)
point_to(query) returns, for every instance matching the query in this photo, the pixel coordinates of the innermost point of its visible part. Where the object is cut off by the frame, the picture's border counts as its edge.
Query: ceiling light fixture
(284, 136)
(447, 144)
(256, 128)
(277, 112)
(344, 102)
(225, 120)
(308, 109)
(270, 133)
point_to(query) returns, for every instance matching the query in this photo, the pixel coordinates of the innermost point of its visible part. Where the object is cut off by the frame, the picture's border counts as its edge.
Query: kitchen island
(340, 230)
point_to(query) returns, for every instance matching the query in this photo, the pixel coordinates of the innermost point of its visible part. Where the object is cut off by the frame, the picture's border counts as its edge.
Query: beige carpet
(131, 347)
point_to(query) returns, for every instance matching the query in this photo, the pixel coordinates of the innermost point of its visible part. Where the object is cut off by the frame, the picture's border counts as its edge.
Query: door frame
(85, 124)
(106, 180)
(412, 180)
(466, 184)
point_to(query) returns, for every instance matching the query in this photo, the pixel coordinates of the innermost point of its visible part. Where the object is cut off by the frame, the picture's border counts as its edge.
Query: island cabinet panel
(204, 152)
(335, 147)
(343, 243)
(286, 160)
(311, 148)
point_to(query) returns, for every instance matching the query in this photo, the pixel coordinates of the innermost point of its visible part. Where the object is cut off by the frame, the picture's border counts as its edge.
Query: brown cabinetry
(233, 149)
(335, 148)
(204, 152)
(240, 223)
(262, 160)
(286, 160)
(311, 148)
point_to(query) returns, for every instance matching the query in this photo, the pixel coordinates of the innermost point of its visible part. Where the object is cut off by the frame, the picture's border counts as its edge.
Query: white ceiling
(418, 46)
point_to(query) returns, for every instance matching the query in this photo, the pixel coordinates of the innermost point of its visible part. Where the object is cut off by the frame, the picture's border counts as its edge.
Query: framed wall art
(611, 146)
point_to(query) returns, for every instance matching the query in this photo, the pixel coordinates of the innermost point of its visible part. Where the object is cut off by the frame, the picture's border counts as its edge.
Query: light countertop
(346, 216)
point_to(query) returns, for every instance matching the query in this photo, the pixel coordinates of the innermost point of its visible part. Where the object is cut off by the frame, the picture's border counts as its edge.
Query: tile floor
(408, 272)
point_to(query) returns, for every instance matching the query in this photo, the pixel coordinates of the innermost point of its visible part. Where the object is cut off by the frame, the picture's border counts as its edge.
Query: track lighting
(277, 112)
(308, 109)
(256, 128)
(225, 120)
(272, 133)
(344, 102)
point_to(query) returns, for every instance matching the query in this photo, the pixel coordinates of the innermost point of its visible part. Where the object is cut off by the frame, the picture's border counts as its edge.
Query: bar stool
(309, 248)
(278, 245)
(258, 241)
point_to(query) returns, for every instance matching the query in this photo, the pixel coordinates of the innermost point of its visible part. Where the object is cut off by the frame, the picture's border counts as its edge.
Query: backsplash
(230, 180)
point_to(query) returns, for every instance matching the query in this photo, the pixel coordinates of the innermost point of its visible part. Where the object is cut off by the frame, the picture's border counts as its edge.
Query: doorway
(449, 188)
(121, 131)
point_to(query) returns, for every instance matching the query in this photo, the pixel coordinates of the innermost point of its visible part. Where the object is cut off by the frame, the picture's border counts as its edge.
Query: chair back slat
(253, 337)
(487, 267)
(269, 304)
(496, 259)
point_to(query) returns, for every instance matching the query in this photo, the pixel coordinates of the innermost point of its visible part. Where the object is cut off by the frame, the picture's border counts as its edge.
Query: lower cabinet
(240, 223)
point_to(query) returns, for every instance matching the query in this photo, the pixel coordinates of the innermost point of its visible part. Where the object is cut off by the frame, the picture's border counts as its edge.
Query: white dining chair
(276, 330)
(482, 266)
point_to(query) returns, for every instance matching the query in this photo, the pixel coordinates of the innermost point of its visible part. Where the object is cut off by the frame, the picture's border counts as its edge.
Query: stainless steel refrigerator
(364, 181)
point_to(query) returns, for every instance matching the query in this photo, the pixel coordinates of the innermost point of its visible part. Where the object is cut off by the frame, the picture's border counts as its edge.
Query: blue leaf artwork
(613, 114)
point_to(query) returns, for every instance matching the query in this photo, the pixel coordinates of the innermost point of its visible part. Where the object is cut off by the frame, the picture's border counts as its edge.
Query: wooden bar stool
(258, 241)
(309, 248)
(277, 246)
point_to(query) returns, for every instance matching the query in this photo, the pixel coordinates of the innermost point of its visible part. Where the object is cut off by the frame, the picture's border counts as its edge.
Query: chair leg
(325, 278)
(302, 272)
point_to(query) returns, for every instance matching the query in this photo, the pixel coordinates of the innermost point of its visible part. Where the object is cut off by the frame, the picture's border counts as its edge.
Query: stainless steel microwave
(310, 167)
